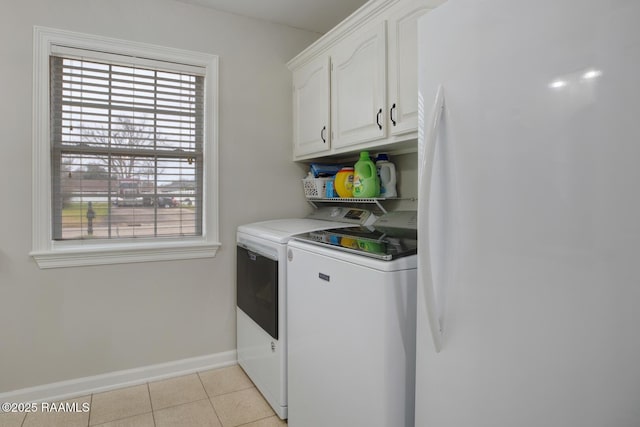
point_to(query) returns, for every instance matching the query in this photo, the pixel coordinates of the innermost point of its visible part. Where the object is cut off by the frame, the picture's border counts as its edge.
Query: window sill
(80, 255)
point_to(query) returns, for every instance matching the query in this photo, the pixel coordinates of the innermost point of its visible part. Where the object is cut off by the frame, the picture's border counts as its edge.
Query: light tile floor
(218, 398)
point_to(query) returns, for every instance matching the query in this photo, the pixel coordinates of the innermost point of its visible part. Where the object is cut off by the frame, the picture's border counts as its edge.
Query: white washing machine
(261, 311)
(352, 311)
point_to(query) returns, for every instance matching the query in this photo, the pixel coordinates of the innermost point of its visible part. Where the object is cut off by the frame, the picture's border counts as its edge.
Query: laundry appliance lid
(281, 230)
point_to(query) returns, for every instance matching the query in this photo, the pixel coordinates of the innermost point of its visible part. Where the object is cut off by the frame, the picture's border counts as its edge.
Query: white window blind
(127, 147)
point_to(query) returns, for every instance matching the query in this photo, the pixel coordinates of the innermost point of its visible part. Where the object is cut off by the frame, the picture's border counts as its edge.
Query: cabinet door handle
(393, 107)
(322, 132)
(378, 119)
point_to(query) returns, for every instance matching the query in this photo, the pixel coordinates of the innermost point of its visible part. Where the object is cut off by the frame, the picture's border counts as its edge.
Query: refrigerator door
(530, 253)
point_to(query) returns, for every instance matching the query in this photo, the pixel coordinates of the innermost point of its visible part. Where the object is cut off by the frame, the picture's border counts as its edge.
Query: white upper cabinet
(311, 92)
(403, 65)
(358, 81)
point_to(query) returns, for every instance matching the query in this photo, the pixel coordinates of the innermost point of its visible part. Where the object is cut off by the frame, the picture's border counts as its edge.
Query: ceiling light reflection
(558, 84)
(582, 78)
(592, 74)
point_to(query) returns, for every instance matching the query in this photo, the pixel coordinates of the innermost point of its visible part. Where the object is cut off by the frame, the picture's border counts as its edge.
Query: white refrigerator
(529, 208)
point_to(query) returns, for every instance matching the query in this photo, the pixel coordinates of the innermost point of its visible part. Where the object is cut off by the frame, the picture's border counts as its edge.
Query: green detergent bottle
(366, 182)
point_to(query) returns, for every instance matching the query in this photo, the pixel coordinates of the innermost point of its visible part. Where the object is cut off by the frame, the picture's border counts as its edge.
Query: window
(126, 145)
(124, 151)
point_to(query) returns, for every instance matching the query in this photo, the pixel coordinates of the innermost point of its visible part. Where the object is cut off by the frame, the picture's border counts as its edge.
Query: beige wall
(70, 323)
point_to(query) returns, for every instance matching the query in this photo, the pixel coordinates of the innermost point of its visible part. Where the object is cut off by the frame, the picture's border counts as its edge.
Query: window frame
(49, 253)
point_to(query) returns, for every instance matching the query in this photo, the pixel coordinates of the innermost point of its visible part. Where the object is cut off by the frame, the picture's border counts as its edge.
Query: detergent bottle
(366, 182)
(344, 182)
(387, 174)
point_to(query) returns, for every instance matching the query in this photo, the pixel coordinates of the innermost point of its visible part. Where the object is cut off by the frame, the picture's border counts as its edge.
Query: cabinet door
(403, 64)
(358, 83)
(311, 126)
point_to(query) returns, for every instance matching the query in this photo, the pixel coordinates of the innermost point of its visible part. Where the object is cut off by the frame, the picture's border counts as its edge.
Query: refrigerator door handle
(425, 276)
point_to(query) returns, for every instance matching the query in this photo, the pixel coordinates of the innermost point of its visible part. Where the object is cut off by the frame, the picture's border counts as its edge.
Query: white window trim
(51, 254)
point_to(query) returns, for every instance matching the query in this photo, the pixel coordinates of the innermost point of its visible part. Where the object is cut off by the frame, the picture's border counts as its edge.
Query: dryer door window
(257, 289)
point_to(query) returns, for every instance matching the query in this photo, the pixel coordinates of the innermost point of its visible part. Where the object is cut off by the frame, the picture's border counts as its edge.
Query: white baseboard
(98, 383)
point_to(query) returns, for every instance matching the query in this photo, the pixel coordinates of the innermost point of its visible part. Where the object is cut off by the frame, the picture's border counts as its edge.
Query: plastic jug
(343, 182)
(387, 174)
(366, 182)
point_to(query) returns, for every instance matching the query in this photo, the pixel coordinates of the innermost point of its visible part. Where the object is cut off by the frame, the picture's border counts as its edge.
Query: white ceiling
(313, 15)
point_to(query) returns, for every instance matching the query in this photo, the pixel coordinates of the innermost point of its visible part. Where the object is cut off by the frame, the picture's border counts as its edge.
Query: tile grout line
(90, 405)
(180, 404)
(202, 384)
(121, 419)
(259, 419)
(209, 399)
(153, 415)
